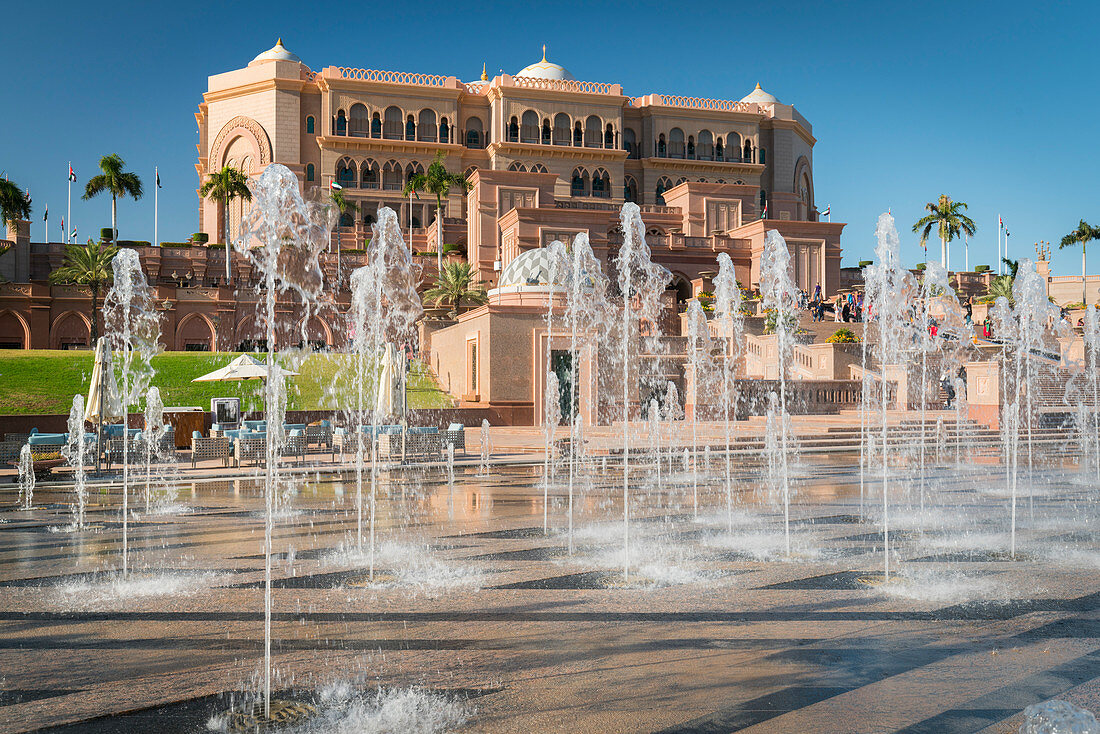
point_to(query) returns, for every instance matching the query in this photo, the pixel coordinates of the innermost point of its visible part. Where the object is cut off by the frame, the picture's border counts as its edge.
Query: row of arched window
(591, 133)
(393, 124)
(706, 147)
(535, 168)
(390, 176)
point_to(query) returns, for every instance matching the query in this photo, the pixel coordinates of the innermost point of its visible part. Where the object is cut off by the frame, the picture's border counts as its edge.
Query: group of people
(846, 307)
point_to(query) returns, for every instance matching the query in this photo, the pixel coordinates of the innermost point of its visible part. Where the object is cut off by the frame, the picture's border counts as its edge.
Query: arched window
(346, 173)
(368, 175)
(529, 127)
(663, 185)
(705, 149)
(341, 123)
(426, 126)
(513, 130)
(601, 184)
(347, 219)
(368, 218)
(579, 182)
(676, 143)
(410, 128)
(310, 125)
(358, 121)
(546, 132)
(474, 133)
(681, 180)
(562, 125)
(691, 146)
(444, 130)
(593, 132)
(718, 152)
(311, 172)
(516, 166)
(412, 169)
(746, 155)
(630, 189)
(733, 147)
(391, 124)
(721, 181)
(578, 134)
(630, 143)
(760, 154)
(609, 136)
(392, 179)
(376, 126)
(662, 147)
(538, 168)
(469, 172)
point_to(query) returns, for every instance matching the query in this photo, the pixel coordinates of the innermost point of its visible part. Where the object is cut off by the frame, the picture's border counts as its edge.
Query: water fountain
(26, 477)
(653, 422)
(486, 448)
(133, 327)
(74, 454)
(641, 283)
(889, 289)
(152, 435)
(1091, 364)
(727, 309)
(699, 347)
(551, 419)
(779, 297)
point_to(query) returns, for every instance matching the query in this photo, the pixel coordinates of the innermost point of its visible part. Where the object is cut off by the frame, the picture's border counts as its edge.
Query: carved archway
(196, 330)
(13, 330)
(804, 187)
(69, 329)
(244, 127)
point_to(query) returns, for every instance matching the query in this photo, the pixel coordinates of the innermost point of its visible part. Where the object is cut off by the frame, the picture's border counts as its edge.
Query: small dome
(759, 96)
(530, 268)
(545, 70)
(278, 52)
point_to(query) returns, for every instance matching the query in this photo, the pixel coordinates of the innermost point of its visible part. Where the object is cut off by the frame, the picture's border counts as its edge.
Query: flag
(764, 213)
(158, 180)
(73, 235)
(335, 186)
(827, 210)
(72, 176)
(46, 214)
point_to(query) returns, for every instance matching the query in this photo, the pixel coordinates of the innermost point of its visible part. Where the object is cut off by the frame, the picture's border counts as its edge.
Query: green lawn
(44, 381)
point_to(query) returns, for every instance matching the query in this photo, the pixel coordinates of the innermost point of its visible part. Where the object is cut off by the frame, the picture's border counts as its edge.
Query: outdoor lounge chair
(250, 447)
(214, 447)
(455, 434)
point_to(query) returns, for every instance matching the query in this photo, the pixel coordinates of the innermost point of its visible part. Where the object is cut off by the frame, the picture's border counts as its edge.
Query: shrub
(216, 246)
(843, 336)
(981, 268)
(200, 238)
(920, 266)
(865, 263)
(133, 243)
(770, 320)
(106, 234)
(175, 244)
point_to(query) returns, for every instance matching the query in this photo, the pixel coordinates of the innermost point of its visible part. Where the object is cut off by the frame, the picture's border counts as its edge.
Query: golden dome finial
(544, 52)
(484, 75)
(758, 85)
(279, 42)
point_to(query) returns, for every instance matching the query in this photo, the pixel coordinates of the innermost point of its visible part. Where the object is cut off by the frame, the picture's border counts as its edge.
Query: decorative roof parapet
(567, 85)
(696, 103)
(391, 77)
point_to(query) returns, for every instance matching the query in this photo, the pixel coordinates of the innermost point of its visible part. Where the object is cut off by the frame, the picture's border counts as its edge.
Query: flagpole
(1000, 265)
(69, 208)
(966, 250)
(46, 219)
(156, 206)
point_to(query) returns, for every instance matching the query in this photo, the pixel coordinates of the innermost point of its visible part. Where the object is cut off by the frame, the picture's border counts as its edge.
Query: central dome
(545, 70)
(278, 52)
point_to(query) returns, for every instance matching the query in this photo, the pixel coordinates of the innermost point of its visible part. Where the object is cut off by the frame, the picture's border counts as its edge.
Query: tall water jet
(551, 419)
(889, 287)
(727, 309)
(282, 236)
(779, 296)
(933, 284)
(133, 326)
(384, 309)
(699, 347)
(641, 282)
(653, 421)
(1091, 337)
(152, 435)
(486, 448)
(26, 477)
(74, 455)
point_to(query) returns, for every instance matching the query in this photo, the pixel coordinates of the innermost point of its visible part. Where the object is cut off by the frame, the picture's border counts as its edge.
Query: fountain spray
(727, 307)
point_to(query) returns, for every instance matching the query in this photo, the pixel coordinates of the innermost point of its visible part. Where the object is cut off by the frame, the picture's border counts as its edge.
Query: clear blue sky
(994, 104)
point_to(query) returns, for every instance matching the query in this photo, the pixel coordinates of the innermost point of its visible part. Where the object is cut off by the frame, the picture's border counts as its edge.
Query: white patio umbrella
(103, 398)
(383, 400)
(244, 367)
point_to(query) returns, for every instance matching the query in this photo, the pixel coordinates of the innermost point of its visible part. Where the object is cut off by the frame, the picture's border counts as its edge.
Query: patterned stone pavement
(717, 630)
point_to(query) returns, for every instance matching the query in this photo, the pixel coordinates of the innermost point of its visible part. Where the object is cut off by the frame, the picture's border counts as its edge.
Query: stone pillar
(15, 266)
(983, 393)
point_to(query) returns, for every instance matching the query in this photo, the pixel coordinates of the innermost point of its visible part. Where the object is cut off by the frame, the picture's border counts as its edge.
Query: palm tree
(1001, 285)
(115, 181)
(948, 218)
(15, 205)
(223, 187)
(1013, 267)
(88, 265)
(343, 206)
(437, 182)
(455, 284)
(1081, 236)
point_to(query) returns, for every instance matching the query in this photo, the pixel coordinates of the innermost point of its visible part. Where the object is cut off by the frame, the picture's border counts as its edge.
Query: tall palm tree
(116, 182)
(437, 182)
(1011, 267)
(1001, 285)
(455, 284)
(223, 187)
(15, 205)
(88, 265)
(1081, 236)
(950, 222)
(343, 206)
